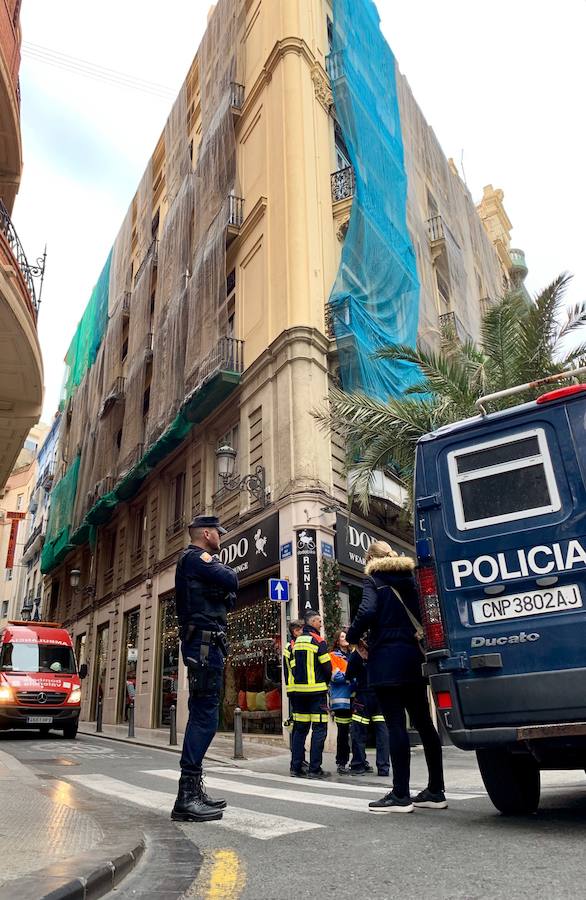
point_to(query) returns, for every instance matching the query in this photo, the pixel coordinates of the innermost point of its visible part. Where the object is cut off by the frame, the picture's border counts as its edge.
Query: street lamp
(254, 483)
(74, 578)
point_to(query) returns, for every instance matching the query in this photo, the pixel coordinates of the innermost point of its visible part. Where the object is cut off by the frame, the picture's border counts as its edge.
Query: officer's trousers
(311, 711)
(203, 708)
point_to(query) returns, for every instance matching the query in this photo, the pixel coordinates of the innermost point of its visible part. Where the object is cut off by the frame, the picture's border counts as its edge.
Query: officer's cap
(207, 522)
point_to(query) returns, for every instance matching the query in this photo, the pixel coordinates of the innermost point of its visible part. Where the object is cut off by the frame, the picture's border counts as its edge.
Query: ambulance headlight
(5, 693)
(75, 696)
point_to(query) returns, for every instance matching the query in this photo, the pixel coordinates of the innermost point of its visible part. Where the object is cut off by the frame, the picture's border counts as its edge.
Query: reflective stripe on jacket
(310, 663)
(289, 679)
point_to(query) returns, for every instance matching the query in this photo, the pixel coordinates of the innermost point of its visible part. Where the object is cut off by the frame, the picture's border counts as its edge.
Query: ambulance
(40, 685)
(500, 521)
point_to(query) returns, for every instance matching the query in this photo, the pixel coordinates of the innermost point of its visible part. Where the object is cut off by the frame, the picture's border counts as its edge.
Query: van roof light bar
(521, 388)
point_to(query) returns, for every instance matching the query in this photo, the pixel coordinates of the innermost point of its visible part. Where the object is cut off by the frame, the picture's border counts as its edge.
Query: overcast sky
(501, 82)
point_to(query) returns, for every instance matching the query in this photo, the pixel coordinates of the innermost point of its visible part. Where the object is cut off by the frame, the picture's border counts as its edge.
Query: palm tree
(520, 341)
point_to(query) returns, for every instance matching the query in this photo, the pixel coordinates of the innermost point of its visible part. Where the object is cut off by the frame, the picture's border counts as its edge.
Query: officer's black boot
(189, 805)
(205, 798)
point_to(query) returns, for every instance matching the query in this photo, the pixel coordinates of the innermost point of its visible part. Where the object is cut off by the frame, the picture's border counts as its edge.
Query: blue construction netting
(375, 299)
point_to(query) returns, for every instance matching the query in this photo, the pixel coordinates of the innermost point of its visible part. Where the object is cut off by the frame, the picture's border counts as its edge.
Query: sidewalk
(49, 843)
(221, 750)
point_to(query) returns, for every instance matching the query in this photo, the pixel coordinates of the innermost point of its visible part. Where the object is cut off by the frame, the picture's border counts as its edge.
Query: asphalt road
(286, 838)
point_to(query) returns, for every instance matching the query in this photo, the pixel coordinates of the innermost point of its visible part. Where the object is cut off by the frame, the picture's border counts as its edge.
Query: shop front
(353, 538)
(252, 675)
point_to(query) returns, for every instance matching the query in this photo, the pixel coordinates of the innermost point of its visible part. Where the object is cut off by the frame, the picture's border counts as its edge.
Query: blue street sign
(287, 550)
(327, 550)
(279, 589)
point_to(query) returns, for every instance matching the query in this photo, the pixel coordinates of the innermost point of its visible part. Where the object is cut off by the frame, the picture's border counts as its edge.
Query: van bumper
(556, 729)
(17, 716)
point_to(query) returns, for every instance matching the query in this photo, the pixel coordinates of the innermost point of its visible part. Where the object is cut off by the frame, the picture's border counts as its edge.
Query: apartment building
(21, 366)
(235, 293)
(17, 593)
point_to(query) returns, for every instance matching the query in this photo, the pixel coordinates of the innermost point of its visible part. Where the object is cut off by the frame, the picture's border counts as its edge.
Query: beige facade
(21, 365)
(15, 514)
(218, 293)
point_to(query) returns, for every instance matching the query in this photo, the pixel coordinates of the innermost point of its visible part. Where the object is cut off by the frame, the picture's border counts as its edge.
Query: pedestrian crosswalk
(299, 797)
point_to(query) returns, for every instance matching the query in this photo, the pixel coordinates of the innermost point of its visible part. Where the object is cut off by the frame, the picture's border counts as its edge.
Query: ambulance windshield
(25, 657)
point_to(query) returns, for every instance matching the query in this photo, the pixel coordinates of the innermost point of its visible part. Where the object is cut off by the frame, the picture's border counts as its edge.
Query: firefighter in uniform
(295, 629)
(312, 672)
(365, 709)
(205, 590)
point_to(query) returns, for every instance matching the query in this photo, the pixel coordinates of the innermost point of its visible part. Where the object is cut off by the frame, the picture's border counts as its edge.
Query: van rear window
(503, 480)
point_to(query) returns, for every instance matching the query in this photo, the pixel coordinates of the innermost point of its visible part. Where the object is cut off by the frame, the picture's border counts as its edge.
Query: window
(330, 26)
(146, 401)
(342, 153)
(176, 502)
(155, 223)
(503, 480)
(138, 531)
(19, 500)
(8, 575)
(30, 445)
(4, 609)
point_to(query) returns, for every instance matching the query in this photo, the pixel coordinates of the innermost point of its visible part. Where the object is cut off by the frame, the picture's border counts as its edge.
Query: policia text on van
(500, 506)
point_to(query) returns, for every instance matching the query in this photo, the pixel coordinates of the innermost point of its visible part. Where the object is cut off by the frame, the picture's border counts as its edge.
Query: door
(101, 667)
(168, 662)
(129, 655)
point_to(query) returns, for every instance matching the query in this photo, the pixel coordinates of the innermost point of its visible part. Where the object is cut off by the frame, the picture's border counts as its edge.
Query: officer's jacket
(310, 663)
(205, 589)
(287, 670)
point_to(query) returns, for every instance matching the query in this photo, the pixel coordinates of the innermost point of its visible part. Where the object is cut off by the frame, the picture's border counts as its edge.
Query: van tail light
(444, 700)
(430, 607)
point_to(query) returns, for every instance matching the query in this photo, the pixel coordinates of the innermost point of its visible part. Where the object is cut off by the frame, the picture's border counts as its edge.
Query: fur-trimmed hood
(398, 565)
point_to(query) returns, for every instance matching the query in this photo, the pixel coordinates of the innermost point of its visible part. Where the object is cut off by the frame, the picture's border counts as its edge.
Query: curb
(136, 742)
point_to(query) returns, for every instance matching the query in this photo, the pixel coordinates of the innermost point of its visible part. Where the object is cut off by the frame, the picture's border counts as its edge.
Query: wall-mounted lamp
(255, 483)
(74, 579)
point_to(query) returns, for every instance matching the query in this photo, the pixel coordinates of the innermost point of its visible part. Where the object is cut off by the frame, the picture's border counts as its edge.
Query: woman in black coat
(394, 671)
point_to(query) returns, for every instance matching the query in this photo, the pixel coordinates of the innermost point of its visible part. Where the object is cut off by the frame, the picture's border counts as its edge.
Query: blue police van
(500, 517)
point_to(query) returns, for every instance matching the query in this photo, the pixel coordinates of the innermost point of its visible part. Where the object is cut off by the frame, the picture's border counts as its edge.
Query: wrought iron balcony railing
(343, 184)
(435, 228)
(28, 272)
(235, 211)
(236, 95)
(35, 534)
(227, 356)
(337, 319)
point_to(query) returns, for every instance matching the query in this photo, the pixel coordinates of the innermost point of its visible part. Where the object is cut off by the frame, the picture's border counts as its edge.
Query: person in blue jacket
(388, 612)
(340, 702)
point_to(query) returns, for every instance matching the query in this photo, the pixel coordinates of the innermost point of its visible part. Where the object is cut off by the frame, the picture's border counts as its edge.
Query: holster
(203, 680)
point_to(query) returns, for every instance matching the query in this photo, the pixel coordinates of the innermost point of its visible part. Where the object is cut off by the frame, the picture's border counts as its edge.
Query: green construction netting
(88, 336)
(59, 524)
(195, 409)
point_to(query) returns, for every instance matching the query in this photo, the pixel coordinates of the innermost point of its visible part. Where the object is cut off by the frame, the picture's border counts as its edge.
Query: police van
(500, 517)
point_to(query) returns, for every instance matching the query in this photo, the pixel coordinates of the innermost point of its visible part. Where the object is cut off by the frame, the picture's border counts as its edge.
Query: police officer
(205, 590)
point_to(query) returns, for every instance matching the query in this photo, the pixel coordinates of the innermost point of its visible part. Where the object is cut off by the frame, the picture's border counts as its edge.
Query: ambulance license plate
(39, 720)
(527, 603)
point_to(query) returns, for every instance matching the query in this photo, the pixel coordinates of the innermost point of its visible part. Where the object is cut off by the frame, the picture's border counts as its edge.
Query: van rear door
(509, 539)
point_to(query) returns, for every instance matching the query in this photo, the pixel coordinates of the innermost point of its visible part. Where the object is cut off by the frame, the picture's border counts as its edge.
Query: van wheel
(512, 781)
(70, 731)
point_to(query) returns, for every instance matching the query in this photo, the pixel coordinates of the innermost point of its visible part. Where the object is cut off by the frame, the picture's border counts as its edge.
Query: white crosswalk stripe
(351, 783)
(263, 826)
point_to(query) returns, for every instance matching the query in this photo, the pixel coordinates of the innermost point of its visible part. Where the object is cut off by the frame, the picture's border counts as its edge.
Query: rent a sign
(353, 539)
(253, 550)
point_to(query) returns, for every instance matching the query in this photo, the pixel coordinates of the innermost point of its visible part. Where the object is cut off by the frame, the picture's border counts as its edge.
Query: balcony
(114, 395)
(236, 97)
(126, 304)
(226, 356)
(343, 184)
(148, 345)
(335, 65)
(450, 326)
(34, 542)
(337, 319)
(519, 268)
(152, 253)
(17, 252)
(235, 218)
(175, 527)
(46, 477)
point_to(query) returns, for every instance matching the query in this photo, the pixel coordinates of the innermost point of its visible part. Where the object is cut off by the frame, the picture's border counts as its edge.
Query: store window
(252, 676)
(169, 661)
(129, 663)
(81, 649)
(101, 666)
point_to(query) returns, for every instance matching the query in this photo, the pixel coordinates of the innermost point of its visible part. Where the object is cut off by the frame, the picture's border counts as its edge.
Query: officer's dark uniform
(205, 590)
(312, 672)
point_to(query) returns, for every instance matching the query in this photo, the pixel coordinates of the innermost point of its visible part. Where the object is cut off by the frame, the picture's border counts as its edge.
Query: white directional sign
(279, 589)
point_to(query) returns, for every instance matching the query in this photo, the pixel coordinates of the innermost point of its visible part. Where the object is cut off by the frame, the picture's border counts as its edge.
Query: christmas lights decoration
(254, 633)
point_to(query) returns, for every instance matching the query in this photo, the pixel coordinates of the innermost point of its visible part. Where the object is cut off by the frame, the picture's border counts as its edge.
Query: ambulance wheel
(512, 781)
(70, 731)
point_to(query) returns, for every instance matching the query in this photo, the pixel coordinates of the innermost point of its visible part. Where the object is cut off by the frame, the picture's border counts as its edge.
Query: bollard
(99, 715)
(173, 726)
(238, 754)
(131, 719)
